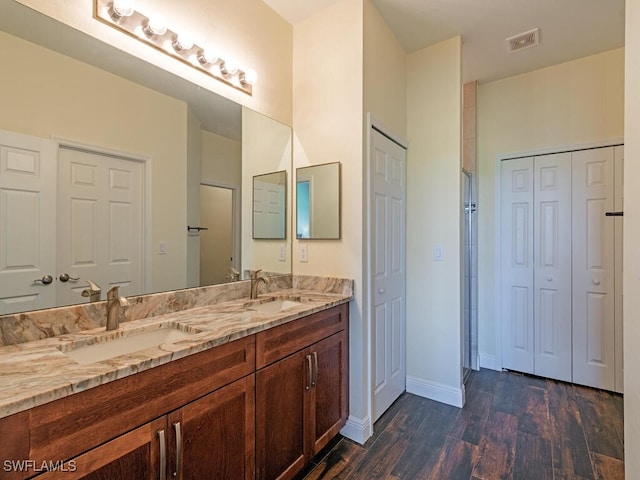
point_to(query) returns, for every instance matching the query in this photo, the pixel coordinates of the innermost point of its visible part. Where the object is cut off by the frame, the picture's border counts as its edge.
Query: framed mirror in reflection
(318, 202)
(174, 148)
(270, 206)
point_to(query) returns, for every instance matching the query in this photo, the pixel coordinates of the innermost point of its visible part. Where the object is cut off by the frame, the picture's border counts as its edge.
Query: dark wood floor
(512, 427)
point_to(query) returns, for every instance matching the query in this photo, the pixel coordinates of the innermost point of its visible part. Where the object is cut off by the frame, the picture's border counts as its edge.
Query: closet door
(593, 268)
(517, 264)
(552, 272)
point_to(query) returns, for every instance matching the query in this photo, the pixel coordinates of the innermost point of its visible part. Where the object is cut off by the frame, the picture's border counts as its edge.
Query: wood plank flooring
(512, 427)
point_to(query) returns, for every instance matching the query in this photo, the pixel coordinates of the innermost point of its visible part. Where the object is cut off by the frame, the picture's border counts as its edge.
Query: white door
(27, 222)
(388, 165)
(100, 223)
(517, 288)
(593, 268)
(269, 205)
(618, 159)
(552, 272)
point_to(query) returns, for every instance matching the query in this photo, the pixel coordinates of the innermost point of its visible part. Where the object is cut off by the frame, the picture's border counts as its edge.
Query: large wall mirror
(318, 202)
(88, 113)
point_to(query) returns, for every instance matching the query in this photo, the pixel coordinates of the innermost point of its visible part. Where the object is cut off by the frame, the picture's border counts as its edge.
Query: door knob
(549, 278)
(381, 291)
(596, 282)
(45, 280)
(65, 277)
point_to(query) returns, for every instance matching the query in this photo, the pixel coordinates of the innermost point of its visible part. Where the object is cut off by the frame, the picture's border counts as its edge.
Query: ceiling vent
(523, 40)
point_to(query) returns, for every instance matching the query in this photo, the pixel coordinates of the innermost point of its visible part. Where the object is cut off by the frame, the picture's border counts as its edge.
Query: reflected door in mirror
(270, 205)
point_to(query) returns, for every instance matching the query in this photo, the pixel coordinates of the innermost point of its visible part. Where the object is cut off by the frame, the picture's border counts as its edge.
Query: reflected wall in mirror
(270, 206)
(318, 202)
(185, 140)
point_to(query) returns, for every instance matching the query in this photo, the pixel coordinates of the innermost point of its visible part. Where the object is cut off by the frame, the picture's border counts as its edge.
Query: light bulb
(207, 56)
(229, 68)
(122, 8)
(155, 26)
(249, 77)
(182, 42)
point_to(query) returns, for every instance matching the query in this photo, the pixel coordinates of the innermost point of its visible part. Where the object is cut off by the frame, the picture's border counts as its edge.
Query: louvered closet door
(552, 272)
(517, 265)
(593, 268)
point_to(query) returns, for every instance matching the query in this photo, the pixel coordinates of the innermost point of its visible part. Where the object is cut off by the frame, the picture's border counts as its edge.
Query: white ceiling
(569, 29)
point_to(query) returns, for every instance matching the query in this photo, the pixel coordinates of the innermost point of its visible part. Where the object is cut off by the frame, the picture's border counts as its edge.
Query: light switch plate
(438, 253)
(304, 253)
(282, 254)
(162, 248)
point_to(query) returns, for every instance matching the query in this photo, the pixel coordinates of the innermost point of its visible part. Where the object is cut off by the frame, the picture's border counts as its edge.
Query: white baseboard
(489, 361)
(357, 429)
(436, 391)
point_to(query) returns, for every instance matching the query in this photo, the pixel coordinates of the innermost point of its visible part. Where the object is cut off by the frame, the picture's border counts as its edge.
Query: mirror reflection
(318, 202)
(124, 168)
(270, 205)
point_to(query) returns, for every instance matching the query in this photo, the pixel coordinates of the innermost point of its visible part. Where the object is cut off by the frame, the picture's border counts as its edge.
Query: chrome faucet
(255, 281)
(114, 302)
(93, 291)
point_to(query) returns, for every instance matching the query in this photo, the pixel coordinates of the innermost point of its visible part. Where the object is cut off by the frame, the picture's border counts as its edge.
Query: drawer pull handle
(178, 471)
(314, 379)
(163, 455)
(310, 374)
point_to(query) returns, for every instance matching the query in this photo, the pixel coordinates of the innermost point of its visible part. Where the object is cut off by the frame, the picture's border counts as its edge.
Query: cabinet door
(329, 399)
(282, 391)
(133, 456)
(213, 437)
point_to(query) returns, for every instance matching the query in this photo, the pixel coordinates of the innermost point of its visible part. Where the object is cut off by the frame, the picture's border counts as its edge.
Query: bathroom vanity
(254, 390)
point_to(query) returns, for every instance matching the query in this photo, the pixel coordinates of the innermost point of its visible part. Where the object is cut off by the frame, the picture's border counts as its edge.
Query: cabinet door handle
(310, 373)
(178, 471)
(163, 455)
(314, 379)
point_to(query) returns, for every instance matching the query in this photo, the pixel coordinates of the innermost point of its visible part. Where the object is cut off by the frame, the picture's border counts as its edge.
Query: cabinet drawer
(67, 427)
(278, 342)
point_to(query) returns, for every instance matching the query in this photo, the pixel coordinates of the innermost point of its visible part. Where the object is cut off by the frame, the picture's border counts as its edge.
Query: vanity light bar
(153, 30)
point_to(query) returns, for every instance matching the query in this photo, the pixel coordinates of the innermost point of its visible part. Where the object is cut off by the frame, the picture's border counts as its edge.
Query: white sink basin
(111, 348)
(274, 306)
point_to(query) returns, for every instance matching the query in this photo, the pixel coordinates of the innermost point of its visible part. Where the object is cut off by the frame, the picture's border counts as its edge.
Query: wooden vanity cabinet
(301, 393)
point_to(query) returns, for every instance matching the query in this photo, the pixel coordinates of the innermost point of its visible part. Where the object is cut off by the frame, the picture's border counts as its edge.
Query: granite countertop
(37, 372)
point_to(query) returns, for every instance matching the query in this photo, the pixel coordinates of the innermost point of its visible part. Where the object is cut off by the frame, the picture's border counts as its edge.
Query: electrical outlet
(282, 255)
(304, 253)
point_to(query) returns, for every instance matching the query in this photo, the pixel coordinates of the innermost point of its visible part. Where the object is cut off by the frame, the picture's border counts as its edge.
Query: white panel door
(100, 225)
(552, 272)
(618, 205)
(593, 268)
(517, 264)
(27, 222)
(388, 164)
(269, 204)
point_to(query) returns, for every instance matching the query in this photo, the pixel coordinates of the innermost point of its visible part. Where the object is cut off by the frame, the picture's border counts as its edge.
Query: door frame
(147, 246)
(495, 363)
(368, 297)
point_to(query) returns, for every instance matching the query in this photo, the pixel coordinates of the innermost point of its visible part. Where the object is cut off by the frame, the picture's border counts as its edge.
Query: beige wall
(221, 160)
(385, 73)
(44, 94)
(328, 122)
(249, 31)
(216, 244)
(573, 103)
(266, 148)
(631, 280)
(434, 90)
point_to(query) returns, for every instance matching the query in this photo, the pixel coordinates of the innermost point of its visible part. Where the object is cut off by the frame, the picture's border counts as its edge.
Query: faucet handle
(254, 274)
(93, 287)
